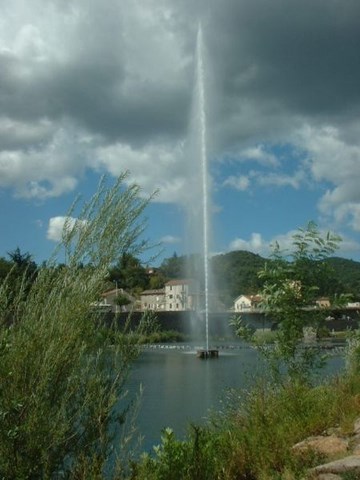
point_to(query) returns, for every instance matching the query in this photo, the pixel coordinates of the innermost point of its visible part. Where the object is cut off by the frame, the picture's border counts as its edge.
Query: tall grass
(61, 372)
(252, 439)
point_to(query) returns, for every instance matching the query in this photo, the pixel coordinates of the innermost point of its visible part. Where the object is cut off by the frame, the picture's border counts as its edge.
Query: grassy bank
(252, 439)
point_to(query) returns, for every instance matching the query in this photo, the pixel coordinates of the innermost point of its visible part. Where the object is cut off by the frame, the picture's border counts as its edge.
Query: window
(170, 306)
(170, 296)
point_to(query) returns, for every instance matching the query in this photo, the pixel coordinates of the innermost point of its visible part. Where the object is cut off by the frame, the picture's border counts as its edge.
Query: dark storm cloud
(303, 55)
(100, 105)
(89, 81)
(122, 73)
(278, 58)
(109, 86)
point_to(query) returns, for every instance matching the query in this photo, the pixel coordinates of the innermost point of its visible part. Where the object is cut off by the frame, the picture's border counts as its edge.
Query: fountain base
(204, 354)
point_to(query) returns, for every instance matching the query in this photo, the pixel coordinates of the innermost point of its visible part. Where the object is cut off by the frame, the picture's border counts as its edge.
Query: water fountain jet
(201, 111)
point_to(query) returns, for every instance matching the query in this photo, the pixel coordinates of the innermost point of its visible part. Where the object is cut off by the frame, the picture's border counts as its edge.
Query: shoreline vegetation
(63, 403)
(254, 437)
(64, 409)
(261, 337)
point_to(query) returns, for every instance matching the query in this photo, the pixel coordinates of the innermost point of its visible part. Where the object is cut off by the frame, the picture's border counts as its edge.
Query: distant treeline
(234, 273)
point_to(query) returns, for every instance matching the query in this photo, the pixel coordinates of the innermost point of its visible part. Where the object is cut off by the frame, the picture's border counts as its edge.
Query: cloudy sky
(89, 87)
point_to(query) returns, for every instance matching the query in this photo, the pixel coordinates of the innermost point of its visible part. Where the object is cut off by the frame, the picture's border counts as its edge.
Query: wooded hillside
(236, 273)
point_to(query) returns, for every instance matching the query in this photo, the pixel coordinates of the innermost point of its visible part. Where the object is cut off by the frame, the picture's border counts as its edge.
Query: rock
(332, 444)
(357, 426)
(355, 444)
(356, 449)
(333, 431)
(328, 446)
(347, 464)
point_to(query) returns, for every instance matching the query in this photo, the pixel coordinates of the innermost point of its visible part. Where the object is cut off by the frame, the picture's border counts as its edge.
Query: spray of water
(204, 173)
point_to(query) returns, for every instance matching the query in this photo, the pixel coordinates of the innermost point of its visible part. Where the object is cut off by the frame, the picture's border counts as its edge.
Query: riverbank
(254, 437)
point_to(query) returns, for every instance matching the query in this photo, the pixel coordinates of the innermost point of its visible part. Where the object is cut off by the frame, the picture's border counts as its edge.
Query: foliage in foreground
(292, 282)
(252, 440)
(61, 373)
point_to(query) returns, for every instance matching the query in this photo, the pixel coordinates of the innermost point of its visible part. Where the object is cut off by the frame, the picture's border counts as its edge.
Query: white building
(353, 305)
(246, 303)
(153, 299)
(180, 295)
(109, 300)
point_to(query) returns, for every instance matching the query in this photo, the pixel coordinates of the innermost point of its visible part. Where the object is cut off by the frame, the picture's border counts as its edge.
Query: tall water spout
(198, 200)
(204, 173)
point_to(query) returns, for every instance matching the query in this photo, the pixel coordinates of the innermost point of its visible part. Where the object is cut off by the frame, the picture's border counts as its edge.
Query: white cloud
(348, 247)
(115, 73)
(256, 244)
(153, 167)
(29, 43)
(146, 30)
(170, 239)
(347, 213)
(107, 86)
(259, 154)
(336, 162)
(262, 179)
(281, 180)
(241, 182)
(49, 170)
(331, 157)
(17, 133)
(57, 224)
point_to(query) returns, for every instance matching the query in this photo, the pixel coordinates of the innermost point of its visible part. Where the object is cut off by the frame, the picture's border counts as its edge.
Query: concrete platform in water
(212, 353)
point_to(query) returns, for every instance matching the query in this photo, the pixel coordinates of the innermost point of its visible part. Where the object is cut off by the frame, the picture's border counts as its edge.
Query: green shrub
(197, 458)
(252, 438)
(292, 281)
(61, 372)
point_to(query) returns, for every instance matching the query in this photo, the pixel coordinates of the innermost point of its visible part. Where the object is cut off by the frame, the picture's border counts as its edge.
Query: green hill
(348, 274)
(236, 273)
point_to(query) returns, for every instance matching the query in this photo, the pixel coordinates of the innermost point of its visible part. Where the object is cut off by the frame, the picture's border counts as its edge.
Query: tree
(156, 281)
(236, 273)
(22, 260)
(129, 273)
(5, 267)
(173, 267)
(23, 264)
(292, 283)
(19, 274)
(62, 372)
(122, 300)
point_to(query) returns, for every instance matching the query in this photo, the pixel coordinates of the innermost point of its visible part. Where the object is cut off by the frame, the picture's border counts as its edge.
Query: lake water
(179, 388)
